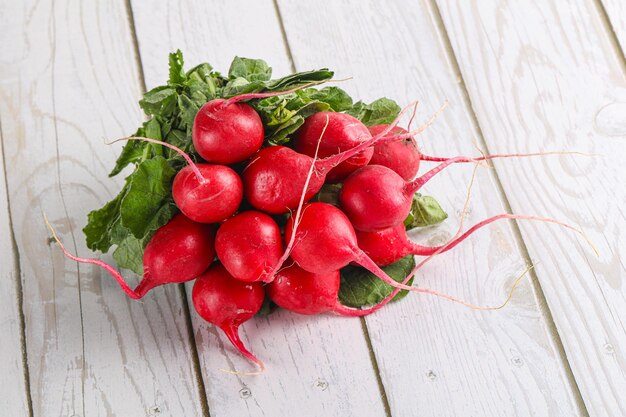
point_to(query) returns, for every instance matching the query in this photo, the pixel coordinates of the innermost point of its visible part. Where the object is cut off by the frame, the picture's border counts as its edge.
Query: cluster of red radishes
(227, 236)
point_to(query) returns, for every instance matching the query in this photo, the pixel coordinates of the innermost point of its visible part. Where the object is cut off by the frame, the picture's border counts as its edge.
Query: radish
(376, 197)
(303, 292)
(401, 156)
(205, 193)
(390, 245)
(325, 241)
(178, 252)
(342, 133)
(226, 131)
(249, 246)
(226, 303)
(208, 193)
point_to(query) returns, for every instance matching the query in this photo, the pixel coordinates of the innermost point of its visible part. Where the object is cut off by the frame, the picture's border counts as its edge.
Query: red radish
(249, 246)
(325, 241)
(342, 132)
(178, 252)
(401, 156)
(303, 292)
(390, 245)
(205, 193)
(376, 197)
(208, 194)
(274, 180)
(226, 131)
(227, 134)
(227, 302)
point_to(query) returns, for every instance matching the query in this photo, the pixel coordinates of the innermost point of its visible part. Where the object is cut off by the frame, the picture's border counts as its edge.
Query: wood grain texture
(549, 79)
(437, 358)
(68, 82)
(616, 12)
(13, 391)
(316, 365)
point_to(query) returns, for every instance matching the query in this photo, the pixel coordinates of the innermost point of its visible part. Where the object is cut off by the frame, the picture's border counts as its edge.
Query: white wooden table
(520, 76)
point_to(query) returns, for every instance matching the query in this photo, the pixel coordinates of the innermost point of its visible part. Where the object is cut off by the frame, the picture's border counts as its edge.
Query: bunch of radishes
(247, 221)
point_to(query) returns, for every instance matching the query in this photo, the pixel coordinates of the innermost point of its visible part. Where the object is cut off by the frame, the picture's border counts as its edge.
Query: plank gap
(283, 33)
(17, 275)
(540, 297)
(379, 380)
(195, 358)
(611, 33)
(204, 402)
(137, 53)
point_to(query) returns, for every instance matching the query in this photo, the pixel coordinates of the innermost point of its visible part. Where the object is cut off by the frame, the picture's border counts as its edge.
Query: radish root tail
(118, 277)
(232, 332)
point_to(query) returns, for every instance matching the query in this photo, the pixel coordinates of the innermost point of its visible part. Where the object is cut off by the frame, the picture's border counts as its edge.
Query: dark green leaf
(240, 85)
(359, 287)
(338, 99)
(188, 110)
(153, 129)
(425, 211)
(250, 69)
(146, 205)
(129, 254)
(132, 152)
(100, 223)
(328, 194)
(300, 78)
(381, 111)
(177, 75)
(156, 99)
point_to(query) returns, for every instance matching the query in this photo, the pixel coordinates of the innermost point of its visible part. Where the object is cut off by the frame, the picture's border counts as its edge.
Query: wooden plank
(616, 13)
(437, 358)
(317, 366)
(13, 390)
(545, 77)
(69, 80)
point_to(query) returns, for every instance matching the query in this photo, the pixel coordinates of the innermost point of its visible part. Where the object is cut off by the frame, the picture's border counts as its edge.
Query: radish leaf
(359, 287)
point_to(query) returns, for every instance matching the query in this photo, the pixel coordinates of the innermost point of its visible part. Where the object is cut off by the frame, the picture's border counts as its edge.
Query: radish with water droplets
(227, 302)
(226, 131)
(249, 245)
(342, 132)
(401, 156)
(376, 198)
(303, 292)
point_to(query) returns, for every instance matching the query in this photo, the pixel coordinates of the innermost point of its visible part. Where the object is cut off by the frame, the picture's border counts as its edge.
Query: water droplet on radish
(609, 349)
